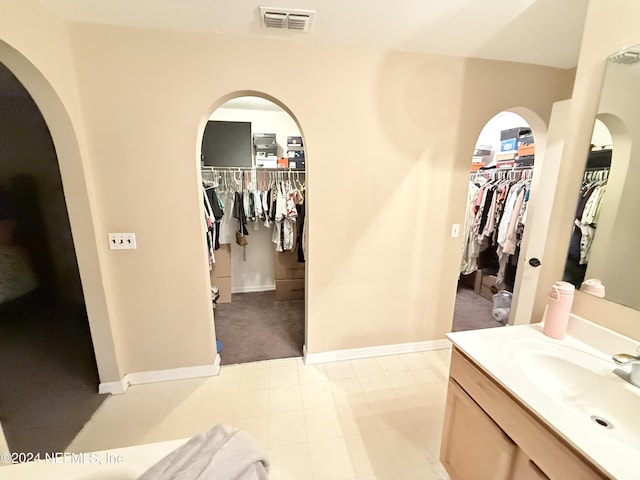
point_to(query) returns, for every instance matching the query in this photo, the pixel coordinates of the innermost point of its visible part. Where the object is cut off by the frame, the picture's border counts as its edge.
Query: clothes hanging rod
(257, 169)
(523, 167)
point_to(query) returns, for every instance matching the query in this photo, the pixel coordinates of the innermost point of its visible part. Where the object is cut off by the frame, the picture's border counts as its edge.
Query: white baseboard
(254, 288)
(152, 376)
(376, 351)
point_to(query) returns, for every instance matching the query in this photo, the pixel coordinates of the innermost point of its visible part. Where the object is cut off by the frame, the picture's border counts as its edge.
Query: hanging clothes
(270, 198)
(494, 220)
(217, 211)
(589, 220)
(470, 244)
(300, 207)
(209, 221)
(239, 212)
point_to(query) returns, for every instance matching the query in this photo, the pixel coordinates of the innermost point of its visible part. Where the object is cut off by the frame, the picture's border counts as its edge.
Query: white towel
(222, 453)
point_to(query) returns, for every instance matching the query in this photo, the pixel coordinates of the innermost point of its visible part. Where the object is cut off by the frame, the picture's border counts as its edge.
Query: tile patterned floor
(365, 419)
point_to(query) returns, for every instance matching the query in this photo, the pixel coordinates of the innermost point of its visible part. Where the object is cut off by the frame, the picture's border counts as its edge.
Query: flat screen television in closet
(495, 218)
(254, 197)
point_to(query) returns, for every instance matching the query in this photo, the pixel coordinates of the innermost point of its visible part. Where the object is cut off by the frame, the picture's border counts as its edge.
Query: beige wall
(389, 138)
(608, 29)
(35, 46)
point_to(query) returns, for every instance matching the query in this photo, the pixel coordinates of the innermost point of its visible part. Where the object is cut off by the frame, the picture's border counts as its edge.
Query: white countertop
(126, 463)
(493, 350)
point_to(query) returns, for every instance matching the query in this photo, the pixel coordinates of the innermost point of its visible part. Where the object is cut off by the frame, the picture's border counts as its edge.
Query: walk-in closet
(254, 189)
(495, 218)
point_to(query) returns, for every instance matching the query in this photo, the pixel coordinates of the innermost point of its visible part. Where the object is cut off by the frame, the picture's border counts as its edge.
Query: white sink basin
(581, 383)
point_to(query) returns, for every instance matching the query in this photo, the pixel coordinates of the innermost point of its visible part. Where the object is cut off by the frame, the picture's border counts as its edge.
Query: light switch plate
(122, 241)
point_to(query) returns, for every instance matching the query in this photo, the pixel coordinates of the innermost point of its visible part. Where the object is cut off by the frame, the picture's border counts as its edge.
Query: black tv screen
(227, 144)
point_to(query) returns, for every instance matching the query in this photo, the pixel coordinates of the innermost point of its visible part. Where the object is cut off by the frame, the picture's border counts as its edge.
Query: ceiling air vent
(286, 18)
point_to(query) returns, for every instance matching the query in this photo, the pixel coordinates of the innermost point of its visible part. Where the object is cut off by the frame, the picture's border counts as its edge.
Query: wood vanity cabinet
(489, 435)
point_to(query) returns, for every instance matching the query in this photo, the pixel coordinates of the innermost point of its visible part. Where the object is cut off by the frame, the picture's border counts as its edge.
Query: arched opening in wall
(594, 218)
(48, 363)
(501, 170)
(253, 172)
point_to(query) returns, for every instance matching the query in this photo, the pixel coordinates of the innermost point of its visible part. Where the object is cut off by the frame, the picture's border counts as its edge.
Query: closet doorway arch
(261, 311)
(524, 277)
(49, 325)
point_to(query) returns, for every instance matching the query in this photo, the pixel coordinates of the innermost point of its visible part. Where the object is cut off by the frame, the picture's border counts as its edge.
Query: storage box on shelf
(294, 141)
(508, 144)
(265, 149)
(525, 161)
(511, 139)
(526, 150)
(221, 272)
(506, 156)
(266, 161)
(482, 156)
(265, 142)
(515, 132)
(506, 164)
(295, 152)
(525, 139)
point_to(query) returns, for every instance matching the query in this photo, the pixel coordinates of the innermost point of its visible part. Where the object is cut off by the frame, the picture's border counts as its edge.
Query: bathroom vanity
(524, 406)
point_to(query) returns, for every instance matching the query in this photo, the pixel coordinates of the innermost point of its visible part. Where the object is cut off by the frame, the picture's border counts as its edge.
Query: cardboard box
(525, 139)
(224, 288)
(287, 267)
(489, 280)
(482, 152)
(266, 161)
(222, 267)
(525, 150)
(481, 161)
(508, 144)
(486, 292)
(264, 141)
(514, 132)
(473, 280)
(476, 166)
(293, 141)
(297, 163)
(283, 163)
(506, 164)
(526, 161)
(290, 289)
(506, 156)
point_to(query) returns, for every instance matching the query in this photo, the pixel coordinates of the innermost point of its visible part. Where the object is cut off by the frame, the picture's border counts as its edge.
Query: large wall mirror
(606, 230)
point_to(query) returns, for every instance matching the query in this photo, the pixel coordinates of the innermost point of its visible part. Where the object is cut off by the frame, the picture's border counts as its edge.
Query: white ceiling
(542, 32)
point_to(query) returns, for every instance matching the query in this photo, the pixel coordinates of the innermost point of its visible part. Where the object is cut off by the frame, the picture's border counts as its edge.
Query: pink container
(558, 309)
